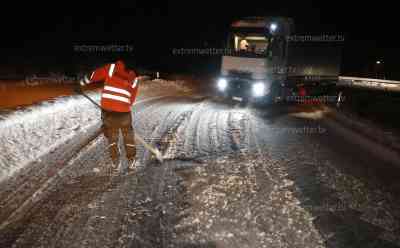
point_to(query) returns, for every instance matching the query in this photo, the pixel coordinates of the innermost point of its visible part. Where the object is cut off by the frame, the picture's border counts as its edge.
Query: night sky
(46, 33)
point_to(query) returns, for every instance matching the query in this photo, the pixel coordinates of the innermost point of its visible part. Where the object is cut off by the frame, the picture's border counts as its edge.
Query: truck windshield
(249, 45)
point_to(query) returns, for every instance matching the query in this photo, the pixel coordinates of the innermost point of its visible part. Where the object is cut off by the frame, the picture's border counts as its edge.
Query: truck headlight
(258, 89)
(273, 27)
(222, 84)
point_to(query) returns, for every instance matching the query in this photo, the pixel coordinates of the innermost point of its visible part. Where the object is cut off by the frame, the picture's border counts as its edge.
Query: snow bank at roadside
(31, 132)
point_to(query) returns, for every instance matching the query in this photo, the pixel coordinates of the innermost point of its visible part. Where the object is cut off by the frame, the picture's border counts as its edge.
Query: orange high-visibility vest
(120, 86)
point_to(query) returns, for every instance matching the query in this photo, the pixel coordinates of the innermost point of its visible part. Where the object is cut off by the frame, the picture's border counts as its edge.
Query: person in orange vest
(117, 97)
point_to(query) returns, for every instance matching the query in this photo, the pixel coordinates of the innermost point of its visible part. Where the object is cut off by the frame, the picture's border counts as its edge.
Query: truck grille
(239, 87)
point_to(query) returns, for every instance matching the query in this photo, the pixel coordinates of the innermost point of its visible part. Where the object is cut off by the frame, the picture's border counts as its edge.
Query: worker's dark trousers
(112, 123)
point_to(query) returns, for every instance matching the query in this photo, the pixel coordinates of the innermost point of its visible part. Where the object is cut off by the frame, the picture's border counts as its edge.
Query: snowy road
(234, 177)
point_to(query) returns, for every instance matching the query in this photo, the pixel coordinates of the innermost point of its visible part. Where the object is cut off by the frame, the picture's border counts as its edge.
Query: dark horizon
(47, 37)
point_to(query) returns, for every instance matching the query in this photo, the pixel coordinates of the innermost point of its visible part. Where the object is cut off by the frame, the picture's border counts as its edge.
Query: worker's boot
(114, 154)
(131, 156)
(132, 164)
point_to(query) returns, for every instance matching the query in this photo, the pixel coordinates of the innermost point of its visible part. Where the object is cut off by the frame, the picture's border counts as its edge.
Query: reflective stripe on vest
(117, 90)
(117, 98)
(111, 71)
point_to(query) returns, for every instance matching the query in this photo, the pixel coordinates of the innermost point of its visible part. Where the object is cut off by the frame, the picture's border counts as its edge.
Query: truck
(266, 62)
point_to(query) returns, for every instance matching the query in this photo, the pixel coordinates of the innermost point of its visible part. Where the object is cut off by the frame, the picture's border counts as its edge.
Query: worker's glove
(84, 81)
(135, 82)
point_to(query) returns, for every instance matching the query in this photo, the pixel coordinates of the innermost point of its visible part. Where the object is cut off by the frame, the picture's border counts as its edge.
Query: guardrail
(378, 84)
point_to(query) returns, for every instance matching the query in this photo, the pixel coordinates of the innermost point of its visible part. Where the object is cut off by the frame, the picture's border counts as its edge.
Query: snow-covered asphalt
(234, 176)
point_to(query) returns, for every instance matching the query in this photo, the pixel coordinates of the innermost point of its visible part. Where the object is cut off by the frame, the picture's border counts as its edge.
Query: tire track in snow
(20, 205)
(237, 124)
